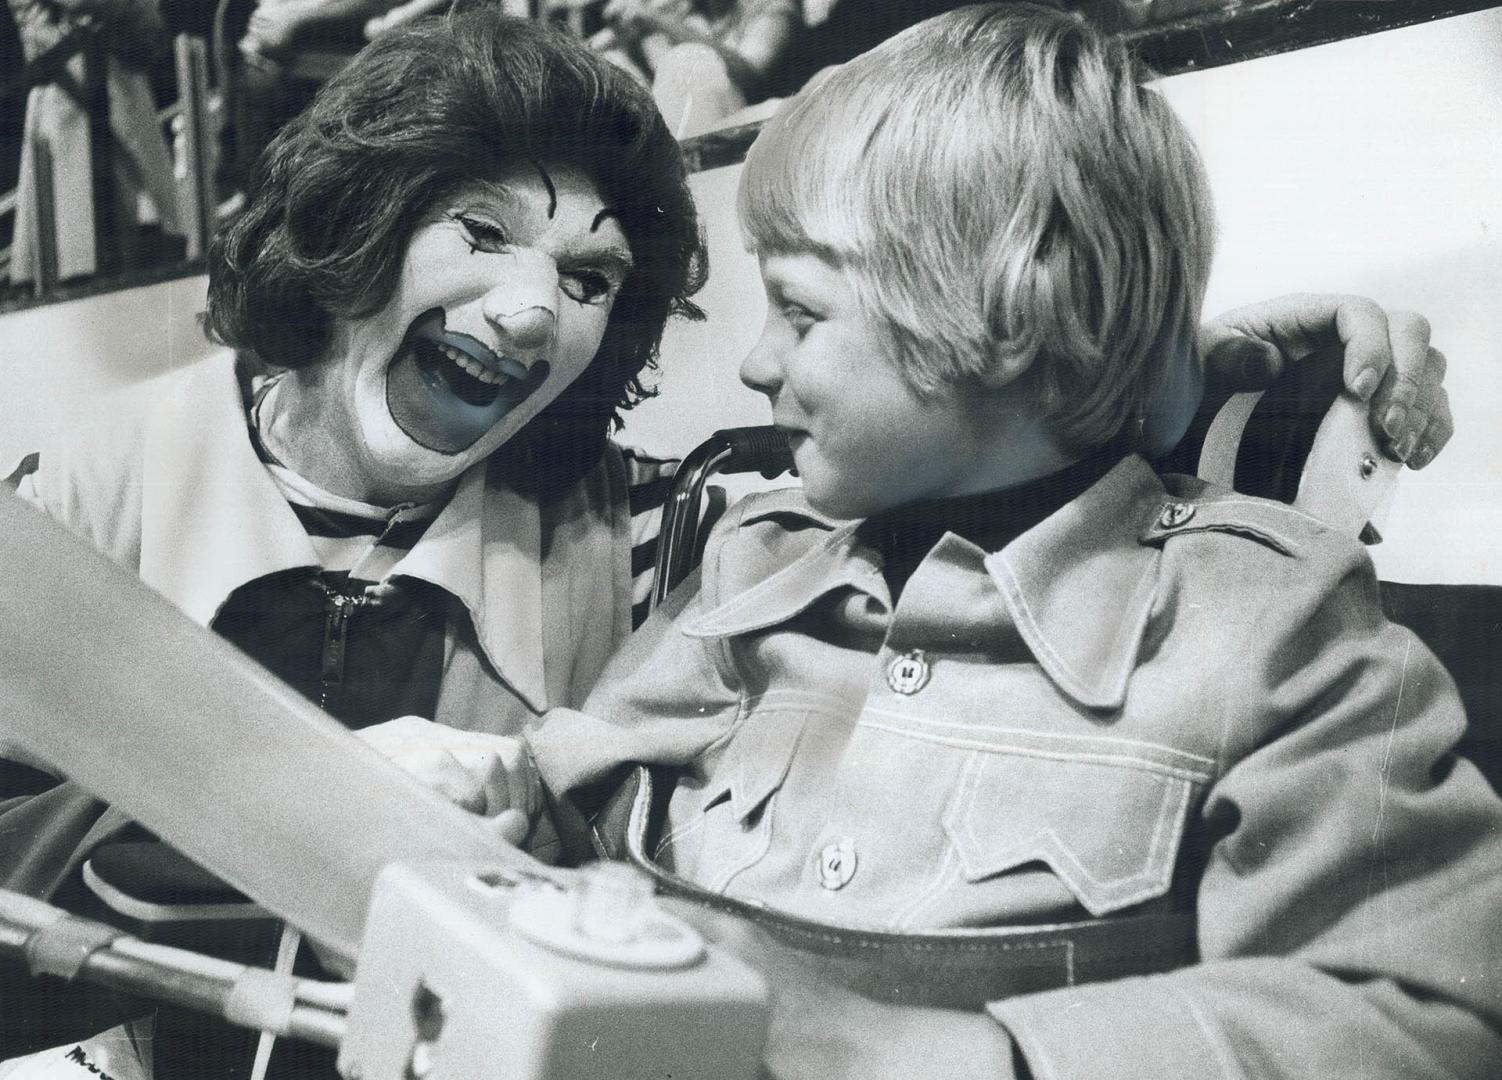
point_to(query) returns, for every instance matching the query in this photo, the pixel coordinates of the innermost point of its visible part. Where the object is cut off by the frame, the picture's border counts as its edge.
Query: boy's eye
(587, 286)
(479, 234)
(798, 317)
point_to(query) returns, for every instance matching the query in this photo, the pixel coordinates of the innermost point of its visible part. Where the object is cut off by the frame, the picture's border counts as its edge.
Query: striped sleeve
(648, 481)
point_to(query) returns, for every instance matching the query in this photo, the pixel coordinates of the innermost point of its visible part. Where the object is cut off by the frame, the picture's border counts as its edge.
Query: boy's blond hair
(1007, 197)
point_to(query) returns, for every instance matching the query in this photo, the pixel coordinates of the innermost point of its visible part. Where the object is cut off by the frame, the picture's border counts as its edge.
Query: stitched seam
(1116, 891)
(1270, 505)
(1386, 767)
(1014, 590)
(950, 869)
(755, 856)
(1165, 832)
(1122, 760)
(676, 834)
(944, 879)
(1042, 734)
(788, 700)
(935, 943)
(1124, 662)
(1271, 537)
(721, 782)
(1117, 888)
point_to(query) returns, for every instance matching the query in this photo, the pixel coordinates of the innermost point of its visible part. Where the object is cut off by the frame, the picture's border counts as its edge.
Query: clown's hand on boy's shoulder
(1387, 359)
(487, 774)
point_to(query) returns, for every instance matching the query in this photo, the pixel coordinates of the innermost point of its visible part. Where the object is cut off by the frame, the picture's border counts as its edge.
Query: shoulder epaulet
(1193, 506)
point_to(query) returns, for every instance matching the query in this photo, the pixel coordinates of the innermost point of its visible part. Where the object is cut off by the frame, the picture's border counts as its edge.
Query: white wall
(1375, 166)
(56, 359)
(1371, 166)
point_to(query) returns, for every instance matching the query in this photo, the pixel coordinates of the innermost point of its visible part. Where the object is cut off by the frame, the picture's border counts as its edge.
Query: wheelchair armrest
(729, 450)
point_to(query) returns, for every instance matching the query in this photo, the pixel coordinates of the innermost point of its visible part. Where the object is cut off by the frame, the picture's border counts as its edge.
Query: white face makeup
(502, 301)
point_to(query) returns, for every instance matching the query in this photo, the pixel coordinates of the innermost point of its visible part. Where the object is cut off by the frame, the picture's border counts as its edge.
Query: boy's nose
(761, 370)
(522, 306)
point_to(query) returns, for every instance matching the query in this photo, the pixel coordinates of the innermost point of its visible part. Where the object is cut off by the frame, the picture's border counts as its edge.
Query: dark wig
(420, 113)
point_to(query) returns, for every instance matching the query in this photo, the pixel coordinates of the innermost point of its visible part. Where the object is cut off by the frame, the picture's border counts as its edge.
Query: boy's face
(863, 440)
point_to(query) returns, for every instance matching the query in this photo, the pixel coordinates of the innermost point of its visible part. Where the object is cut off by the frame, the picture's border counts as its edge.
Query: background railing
(1172, 35)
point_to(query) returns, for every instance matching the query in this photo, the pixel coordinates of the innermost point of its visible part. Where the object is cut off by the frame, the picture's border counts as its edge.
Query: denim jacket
(1166, 696)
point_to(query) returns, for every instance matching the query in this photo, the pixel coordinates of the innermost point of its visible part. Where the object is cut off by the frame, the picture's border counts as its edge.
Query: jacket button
(1175, 514)
(908, 673)
(837, 864)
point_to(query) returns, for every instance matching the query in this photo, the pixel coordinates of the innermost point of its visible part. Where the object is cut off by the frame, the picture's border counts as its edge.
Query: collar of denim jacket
(838, 560)
(1081, 585)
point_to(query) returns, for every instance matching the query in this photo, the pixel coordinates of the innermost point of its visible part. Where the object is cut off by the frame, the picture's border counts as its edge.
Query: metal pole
(197, 184)
(108, 238)
(205, 984)
(44, 221)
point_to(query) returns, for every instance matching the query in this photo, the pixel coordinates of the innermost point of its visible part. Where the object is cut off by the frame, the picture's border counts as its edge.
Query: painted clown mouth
(446, 390)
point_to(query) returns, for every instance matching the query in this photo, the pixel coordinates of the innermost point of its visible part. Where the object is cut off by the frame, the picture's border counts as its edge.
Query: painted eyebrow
(601, 216)
(547, 182)
(613, 259)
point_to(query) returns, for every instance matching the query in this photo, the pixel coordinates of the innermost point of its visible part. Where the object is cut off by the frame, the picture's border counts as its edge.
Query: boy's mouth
(445, 389)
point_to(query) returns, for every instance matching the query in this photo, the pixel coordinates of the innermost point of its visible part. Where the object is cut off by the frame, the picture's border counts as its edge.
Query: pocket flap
(757, 759)
(1109, 831)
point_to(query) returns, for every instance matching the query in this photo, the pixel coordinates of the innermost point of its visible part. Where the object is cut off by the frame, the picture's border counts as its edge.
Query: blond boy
(992, 686)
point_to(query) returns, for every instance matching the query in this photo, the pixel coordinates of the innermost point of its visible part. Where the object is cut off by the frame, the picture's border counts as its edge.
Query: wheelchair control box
(473, 972)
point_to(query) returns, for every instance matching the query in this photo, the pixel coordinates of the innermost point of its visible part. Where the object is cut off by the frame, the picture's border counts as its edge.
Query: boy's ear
(1003, 370)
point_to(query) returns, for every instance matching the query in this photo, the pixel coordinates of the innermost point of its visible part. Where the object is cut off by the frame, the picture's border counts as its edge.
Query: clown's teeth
(470, 365)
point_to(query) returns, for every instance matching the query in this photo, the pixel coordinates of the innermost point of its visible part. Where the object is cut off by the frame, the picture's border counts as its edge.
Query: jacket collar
(839, 561)
(213, 520)
(1079, 586)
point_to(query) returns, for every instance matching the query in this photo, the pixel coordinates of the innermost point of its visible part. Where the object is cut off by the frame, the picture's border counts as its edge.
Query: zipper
(338, 609)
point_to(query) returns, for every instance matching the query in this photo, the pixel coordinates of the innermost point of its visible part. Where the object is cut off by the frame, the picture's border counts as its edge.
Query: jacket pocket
(1107, 824)
(725, 826)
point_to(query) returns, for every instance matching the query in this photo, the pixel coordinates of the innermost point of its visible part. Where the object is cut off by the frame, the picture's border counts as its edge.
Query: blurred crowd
(710, 63)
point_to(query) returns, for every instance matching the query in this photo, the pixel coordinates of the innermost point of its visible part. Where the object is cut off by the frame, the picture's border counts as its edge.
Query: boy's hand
(1388, 359)
(485, 774)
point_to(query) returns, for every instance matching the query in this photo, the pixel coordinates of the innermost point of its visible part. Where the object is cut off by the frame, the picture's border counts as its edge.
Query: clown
(450, 273)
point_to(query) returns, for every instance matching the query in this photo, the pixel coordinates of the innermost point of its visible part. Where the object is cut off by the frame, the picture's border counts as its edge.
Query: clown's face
(502, 301)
